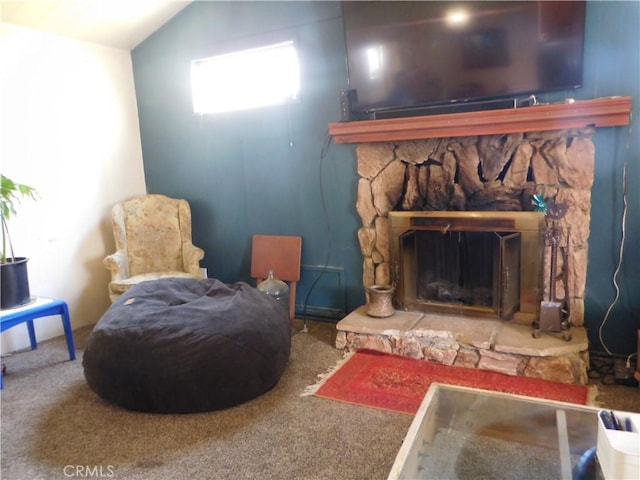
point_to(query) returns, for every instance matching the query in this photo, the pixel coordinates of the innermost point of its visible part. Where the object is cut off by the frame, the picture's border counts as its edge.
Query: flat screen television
(404, 56)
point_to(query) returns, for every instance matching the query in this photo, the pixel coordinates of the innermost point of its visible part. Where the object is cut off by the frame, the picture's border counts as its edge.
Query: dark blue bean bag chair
(181, 345)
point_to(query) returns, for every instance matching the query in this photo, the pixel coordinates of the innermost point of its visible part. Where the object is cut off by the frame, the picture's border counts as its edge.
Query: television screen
(403, 55)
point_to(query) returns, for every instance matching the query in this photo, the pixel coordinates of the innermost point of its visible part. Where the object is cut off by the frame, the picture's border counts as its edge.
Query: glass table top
(461, 433)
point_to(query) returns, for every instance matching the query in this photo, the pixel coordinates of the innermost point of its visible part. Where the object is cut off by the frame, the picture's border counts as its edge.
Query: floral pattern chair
(153, 240)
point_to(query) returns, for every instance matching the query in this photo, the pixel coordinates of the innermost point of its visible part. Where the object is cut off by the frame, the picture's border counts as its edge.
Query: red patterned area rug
(396, 383)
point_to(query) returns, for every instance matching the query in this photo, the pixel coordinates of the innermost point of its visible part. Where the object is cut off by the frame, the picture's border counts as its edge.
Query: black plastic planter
(14, 280)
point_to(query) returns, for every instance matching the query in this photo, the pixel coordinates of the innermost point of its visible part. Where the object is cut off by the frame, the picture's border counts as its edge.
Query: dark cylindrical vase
(15, 283)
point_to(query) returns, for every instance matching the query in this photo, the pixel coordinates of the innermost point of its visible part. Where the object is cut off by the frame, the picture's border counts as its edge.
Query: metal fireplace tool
(553, 314)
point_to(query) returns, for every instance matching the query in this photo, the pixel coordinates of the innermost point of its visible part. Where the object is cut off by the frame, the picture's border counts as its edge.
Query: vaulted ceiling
(113, 23)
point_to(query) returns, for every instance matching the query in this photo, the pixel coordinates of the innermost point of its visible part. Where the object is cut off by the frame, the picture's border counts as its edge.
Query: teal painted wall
(261, 171)
(612, 67)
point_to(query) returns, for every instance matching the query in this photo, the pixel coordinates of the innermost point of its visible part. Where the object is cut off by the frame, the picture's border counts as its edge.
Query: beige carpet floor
(53, 424)
(54, 427)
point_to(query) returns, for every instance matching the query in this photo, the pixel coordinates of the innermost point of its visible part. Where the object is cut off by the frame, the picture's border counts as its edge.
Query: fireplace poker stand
(553, 317)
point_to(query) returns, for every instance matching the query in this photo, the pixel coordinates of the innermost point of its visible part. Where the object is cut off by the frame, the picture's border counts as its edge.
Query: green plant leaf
(11, 193)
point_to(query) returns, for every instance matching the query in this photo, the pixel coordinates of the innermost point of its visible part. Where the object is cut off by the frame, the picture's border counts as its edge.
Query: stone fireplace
(494, 173)
(461, 186)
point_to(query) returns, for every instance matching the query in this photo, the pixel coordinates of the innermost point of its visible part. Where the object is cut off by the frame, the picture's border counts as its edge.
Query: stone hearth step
(485, 344)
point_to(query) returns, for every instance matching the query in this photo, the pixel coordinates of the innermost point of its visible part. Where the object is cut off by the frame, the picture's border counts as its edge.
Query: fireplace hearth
(449, 223)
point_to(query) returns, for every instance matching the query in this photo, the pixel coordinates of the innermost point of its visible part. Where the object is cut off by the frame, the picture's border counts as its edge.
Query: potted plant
(13, 270)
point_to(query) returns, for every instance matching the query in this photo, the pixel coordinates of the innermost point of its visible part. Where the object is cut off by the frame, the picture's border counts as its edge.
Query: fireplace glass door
(472, 269)
(473, 264)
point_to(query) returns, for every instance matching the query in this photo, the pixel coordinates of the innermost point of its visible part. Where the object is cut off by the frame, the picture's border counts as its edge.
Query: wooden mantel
(600, 112)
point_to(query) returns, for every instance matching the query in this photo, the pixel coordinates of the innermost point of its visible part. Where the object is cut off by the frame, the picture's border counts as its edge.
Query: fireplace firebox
(477, 264)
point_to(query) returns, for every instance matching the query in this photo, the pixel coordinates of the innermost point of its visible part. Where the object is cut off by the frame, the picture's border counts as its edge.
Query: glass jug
(277, 289)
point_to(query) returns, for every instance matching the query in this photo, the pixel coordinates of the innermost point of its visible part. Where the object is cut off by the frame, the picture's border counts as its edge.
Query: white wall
(70, 129)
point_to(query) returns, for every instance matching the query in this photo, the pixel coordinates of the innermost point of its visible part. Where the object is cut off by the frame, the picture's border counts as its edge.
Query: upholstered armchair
(153, 240)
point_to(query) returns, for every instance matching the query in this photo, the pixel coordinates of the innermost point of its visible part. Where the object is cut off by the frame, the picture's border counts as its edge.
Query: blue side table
(36, 308)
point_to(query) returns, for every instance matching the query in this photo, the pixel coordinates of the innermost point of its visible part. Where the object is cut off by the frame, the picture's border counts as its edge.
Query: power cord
(323, 153)
(602, 368)
(620, 254)
(621, 250)
(628, 362)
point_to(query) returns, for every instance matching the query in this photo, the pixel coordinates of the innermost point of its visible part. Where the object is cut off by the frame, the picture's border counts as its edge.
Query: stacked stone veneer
(483, 344)
(487, 173)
